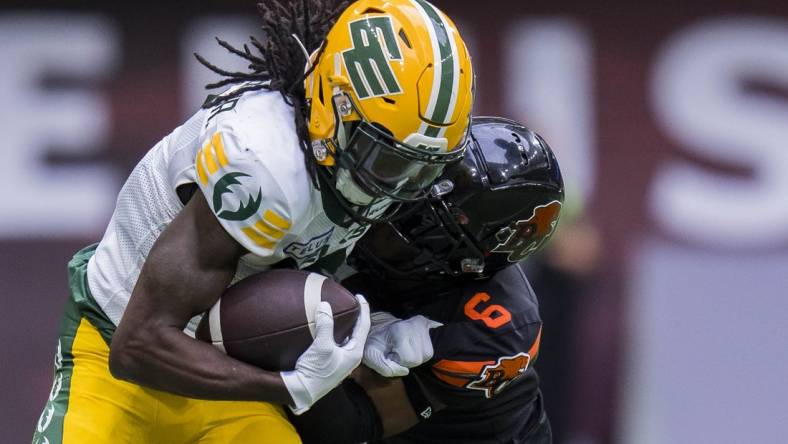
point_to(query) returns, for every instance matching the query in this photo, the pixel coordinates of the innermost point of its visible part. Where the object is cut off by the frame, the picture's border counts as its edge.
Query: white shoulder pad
(245, 196)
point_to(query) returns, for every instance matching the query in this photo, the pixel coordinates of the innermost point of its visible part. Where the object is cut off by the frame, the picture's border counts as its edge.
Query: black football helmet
(493, 208)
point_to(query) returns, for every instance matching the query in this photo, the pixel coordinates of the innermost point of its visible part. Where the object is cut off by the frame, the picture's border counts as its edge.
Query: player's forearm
(186, 271)
(164, 358)
(390, 399)
(345, 415)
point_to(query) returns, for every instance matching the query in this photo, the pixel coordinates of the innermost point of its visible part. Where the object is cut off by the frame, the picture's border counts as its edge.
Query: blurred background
(664, 293)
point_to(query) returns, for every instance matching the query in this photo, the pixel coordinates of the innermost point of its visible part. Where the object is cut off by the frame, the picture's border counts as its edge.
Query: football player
(346, 111)
(453, 260)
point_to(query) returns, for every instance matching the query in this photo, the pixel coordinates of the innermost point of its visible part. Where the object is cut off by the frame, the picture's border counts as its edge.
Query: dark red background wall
(145, 96)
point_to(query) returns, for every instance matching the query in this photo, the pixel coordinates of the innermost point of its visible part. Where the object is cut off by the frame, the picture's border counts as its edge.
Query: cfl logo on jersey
(309, 250)
(367, 63)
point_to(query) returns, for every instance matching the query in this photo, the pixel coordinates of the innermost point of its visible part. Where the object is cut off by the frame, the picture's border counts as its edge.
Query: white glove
(324, 365)
(394, 345)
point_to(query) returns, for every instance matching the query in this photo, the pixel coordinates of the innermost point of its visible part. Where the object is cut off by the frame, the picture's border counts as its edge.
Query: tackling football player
(453, 260)
(340, 116)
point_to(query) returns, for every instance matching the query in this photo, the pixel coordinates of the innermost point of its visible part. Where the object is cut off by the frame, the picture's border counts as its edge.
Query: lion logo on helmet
(524, 237)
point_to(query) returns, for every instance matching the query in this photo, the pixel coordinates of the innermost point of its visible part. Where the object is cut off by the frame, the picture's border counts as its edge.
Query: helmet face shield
(385, 167)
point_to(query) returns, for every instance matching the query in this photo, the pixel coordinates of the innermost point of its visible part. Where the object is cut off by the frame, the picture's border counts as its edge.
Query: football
(267, 319)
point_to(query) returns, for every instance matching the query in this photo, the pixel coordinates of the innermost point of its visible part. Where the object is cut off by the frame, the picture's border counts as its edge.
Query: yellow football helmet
(390, 99)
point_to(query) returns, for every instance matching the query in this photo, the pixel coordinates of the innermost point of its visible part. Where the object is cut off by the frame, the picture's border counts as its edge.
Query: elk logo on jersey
(211, 159)
(494, 378)
(526, 236)
(245, 209)
(367, 63)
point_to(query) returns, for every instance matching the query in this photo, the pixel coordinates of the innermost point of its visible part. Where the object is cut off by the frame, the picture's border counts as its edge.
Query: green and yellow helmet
(390, 99)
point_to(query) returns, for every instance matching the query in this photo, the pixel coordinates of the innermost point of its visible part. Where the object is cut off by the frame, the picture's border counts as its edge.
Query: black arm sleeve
(346, 415)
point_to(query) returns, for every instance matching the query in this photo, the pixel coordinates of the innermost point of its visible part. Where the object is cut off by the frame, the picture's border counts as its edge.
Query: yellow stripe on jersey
(276, 220)
(218, 148)
(266, 228)
(208, 156)
(266, 232)
(210, 161)
(258, 238)
(200, 168)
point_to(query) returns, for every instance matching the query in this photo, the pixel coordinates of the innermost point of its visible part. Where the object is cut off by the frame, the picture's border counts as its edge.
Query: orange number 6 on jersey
(503, 316)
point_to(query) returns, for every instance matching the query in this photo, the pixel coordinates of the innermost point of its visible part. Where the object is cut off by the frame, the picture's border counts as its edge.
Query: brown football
(267, 319)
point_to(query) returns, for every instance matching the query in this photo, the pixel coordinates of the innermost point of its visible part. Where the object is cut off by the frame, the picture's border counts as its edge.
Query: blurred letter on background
(549, 76)
(38, 119)
(700, 98)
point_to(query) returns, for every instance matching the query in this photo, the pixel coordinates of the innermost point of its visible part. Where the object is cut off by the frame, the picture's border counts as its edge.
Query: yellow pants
(87, 405)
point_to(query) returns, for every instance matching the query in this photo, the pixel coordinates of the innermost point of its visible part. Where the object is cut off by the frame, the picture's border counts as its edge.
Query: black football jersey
(480, 386)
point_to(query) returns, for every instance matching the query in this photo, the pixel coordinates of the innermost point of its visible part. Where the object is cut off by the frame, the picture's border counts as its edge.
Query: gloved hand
(324, 365)
(394, 345)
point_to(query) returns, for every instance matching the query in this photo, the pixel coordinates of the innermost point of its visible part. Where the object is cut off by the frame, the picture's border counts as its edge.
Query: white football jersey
(246, 159)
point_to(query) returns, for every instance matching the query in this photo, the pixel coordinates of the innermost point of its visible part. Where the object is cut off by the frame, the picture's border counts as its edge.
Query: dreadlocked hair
(277, 64)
